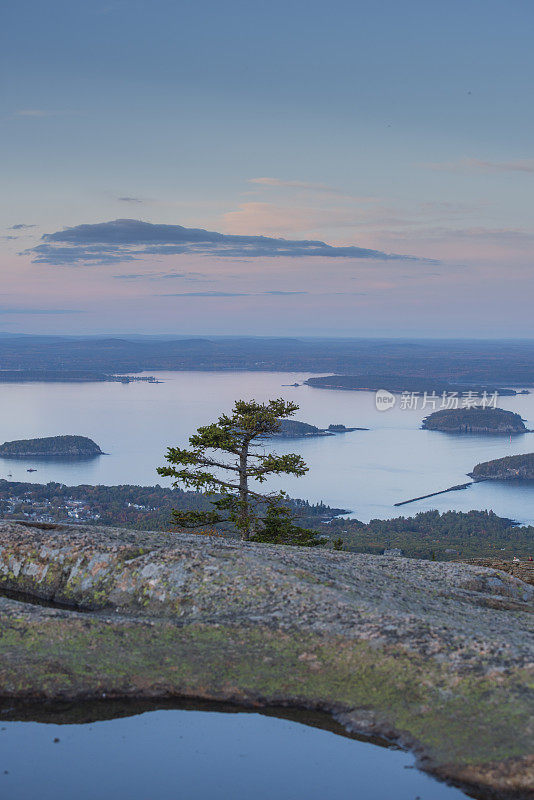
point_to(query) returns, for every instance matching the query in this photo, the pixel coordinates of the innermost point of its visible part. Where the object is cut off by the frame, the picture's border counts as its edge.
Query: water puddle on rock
(142, 752)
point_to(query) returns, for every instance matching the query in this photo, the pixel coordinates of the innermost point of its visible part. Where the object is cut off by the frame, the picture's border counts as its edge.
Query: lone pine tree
(224, 458)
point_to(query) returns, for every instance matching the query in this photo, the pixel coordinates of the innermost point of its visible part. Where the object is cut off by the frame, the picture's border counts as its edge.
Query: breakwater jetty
(433, 494)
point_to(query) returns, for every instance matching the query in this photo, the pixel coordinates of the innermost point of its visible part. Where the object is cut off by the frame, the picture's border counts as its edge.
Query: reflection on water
(133, 752)
(44, 461)
(367, 471)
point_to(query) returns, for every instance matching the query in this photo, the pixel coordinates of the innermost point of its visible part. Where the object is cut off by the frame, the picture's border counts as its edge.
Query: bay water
(363, 471)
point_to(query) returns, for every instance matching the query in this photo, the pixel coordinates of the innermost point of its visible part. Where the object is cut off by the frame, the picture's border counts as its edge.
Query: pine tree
(224, 457)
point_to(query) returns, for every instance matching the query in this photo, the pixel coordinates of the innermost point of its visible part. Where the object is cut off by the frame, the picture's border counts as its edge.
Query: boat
(31, 469)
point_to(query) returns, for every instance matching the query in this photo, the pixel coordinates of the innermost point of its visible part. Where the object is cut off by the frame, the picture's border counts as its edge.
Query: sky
(267, 168)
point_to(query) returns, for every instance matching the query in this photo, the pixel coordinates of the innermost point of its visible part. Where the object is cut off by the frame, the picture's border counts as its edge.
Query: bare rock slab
(436, 656)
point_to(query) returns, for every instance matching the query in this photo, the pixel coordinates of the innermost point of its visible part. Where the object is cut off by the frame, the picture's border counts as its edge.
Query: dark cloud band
(128, 239)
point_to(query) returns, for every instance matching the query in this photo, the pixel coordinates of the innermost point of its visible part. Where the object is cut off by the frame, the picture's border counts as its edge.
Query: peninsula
(397, 384)
(510, 468)
(51, 447)
(69, 376)
(475, 420)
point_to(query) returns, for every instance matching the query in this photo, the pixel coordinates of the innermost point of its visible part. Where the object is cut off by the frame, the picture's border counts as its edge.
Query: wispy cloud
(31, 112)
(205, 294)
(21, 226)
(7, 310)
(480, 165)
(161, 276)
(511, 235)
(41, 113)
(134, 200)
(278, 183)
(228, 294)
(516, 235)
(129, 239)
(313, 191)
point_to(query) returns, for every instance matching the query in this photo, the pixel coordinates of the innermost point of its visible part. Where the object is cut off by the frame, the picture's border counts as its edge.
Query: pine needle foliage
(279, 528)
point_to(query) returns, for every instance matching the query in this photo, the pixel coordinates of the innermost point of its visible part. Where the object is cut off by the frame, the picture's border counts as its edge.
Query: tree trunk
(243, 492)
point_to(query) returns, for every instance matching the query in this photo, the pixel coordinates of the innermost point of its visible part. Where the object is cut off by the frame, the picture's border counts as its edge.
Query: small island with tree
(51, 447)
(293, 429)
(510, 468)
(493, 421)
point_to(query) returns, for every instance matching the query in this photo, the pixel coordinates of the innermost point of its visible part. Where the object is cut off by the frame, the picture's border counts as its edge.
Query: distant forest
(99, 358)
(445, 537)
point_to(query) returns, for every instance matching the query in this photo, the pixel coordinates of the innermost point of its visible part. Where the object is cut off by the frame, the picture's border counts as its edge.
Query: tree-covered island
(51, 447)
(494, 421)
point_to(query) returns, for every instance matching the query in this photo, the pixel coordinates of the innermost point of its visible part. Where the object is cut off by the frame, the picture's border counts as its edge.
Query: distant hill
(51, 446)
(461, 362)
(475, 420)
(511, 468)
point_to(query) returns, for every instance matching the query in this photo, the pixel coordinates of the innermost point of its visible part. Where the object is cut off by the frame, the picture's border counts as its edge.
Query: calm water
(181, 755)
(366, 471)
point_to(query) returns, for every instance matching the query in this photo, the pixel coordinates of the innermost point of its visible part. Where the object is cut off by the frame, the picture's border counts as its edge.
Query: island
(292, 429)
(475, 420)
(51, 447)
(510, 468)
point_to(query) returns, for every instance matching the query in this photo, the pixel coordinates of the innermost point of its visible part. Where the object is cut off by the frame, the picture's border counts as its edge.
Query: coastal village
(23, 507)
